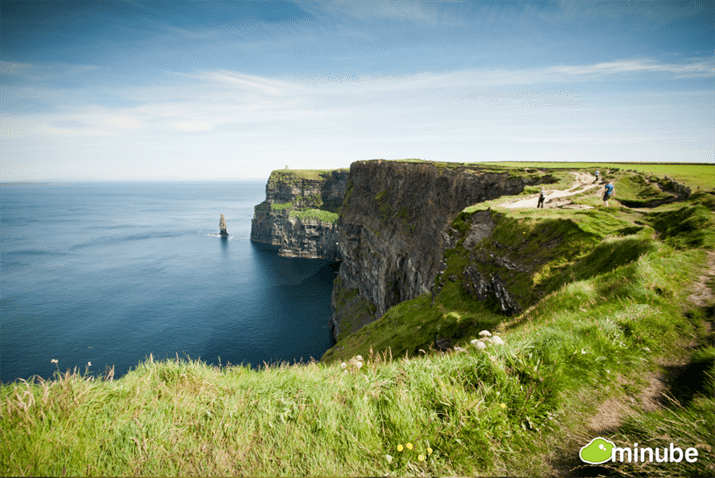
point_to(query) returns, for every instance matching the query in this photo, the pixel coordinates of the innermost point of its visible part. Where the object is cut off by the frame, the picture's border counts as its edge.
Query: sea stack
(222, 226)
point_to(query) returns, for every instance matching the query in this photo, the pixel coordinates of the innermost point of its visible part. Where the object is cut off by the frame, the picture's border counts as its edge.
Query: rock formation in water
(222, 226)
(299, 214)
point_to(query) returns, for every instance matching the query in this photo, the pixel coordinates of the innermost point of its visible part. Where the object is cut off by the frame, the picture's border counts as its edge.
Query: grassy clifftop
(615, 340)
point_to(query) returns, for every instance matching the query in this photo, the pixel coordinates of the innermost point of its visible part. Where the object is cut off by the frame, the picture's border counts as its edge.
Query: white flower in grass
(359, 365)
(480, 345)
(485, 333)
(459, 349)
(358, 358)
(343, 365)
(497, 341)
(89, 364)
(53, 360)
(473, 341)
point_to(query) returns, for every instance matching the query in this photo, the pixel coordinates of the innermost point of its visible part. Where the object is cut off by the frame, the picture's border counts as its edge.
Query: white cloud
(45, 72)
(121, 123)
(191, 126)
(250, 124)
(13, 68)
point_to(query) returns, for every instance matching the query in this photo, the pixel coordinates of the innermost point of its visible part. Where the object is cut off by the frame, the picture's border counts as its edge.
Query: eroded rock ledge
(299, 214)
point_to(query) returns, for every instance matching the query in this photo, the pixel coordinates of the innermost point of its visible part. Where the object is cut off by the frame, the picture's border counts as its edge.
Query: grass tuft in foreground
(506, 409)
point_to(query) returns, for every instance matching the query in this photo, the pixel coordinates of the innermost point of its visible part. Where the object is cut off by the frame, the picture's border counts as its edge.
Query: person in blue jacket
(610, 190)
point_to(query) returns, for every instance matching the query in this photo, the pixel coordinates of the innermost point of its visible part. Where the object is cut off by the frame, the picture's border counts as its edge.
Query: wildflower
(480, 345)
(503, 405)
(459, 349)
(358, 358)
(358, 365)
(400, 447)
(429, 451)
(485, 333)
(388, 458)
(473, 341)
(53, 360)
(497, 341)
(89, 364)
(421, 457)
(409, 446)
(343, 365)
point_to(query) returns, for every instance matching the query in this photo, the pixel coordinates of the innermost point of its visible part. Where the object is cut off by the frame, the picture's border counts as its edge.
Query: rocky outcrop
(484, 287)
(393, 230)
(299, 214)
(222, 226)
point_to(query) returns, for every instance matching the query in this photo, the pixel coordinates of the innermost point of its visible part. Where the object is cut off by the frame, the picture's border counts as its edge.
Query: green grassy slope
(696, 175)
(607, 299)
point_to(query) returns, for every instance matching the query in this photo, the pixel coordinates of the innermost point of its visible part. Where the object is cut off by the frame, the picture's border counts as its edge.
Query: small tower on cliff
(222, 226)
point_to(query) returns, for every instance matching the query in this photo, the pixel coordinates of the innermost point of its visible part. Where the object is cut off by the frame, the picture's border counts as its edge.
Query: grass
(281, 206)
(635, 190)
(489, 412)
(604, 294)
(317, 214)
(697, 175)
(297, 174)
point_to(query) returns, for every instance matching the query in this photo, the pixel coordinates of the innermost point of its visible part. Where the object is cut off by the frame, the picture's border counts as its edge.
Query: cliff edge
(299, 215)
(393, 230)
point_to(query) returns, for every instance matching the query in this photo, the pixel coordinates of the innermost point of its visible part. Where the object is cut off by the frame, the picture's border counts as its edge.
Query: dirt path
(583, 182)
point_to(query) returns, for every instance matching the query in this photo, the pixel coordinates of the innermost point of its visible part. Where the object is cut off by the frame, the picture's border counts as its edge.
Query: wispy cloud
(41, 72)
(502, 113)
(207, 100)
(394, 10)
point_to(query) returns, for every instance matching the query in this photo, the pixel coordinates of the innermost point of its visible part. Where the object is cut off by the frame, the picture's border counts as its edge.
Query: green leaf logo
(597, 451)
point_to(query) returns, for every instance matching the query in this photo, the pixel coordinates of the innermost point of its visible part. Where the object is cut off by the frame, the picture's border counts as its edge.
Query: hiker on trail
(597, 173)
(610, 190)
(541, 200)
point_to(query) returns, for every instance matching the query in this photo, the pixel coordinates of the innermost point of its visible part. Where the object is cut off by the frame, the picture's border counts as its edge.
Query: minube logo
(599, 450)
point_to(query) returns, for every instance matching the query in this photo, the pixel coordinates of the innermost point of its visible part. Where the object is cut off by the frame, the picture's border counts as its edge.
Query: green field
(616, 301)
(697, 175)
(313, 174)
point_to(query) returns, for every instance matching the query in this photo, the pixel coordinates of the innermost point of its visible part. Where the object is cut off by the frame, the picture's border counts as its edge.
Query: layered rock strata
(393, 232)
(299, 215)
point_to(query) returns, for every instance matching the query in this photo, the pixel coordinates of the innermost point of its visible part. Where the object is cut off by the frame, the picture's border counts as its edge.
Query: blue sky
(177, 90)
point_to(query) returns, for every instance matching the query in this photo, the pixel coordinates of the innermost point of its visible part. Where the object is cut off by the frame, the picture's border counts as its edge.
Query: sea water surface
(109, 273)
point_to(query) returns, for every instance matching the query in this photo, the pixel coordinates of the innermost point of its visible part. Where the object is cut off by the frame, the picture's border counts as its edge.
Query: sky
(223, 90)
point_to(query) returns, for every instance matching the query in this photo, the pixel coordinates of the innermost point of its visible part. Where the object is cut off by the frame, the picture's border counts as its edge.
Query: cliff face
(299, 214)
(393, 231)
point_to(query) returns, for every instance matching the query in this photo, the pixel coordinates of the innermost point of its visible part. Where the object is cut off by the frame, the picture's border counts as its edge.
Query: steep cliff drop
(299, 214)
(393, 230)
(222, 226)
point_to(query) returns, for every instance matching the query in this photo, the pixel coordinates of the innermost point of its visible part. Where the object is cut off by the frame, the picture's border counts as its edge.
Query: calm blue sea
(109, 273)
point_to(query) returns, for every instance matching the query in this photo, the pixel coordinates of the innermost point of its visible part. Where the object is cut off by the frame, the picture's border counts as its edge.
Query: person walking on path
(610, 190)
(597, 174)
(541, 200)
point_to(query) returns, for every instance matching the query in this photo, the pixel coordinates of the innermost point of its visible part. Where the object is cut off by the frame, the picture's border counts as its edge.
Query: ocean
(108, 273)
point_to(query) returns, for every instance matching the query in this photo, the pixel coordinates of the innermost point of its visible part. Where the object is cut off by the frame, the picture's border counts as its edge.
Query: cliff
(299, 214)
(393, 231)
